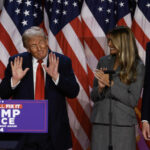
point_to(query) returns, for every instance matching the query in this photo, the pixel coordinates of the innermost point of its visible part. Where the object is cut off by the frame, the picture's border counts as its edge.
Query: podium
(21, 116)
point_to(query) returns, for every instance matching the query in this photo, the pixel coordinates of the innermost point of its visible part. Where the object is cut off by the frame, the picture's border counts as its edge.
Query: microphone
(109, 72)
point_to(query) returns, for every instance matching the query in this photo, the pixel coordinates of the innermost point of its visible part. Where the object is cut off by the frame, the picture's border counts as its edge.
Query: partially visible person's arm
(145, 112)
(146, 130)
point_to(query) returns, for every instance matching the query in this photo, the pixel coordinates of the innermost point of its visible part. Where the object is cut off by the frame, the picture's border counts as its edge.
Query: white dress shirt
(35, 65)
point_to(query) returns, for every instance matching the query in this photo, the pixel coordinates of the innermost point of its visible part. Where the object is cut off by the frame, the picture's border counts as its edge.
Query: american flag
(76, 28)
(141, 24)
(16, 16)
(64, 28)
(98, 17)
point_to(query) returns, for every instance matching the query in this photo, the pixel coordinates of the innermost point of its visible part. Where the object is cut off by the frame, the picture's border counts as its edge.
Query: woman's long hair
(124, 41)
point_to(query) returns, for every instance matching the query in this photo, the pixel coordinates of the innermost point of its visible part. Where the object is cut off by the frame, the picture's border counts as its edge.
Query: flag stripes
(83, 39)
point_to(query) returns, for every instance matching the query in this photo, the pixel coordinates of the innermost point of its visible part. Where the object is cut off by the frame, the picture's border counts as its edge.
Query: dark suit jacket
(146, 92)
(58, 136)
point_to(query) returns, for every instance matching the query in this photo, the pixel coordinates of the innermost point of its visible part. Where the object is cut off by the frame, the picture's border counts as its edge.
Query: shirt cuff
(57, 80)
(13, 86)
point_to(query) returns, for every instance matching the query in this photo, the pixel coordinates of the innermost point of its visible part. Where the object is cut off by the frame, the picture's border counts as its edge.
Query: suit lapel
(29, 75)
(49, 82)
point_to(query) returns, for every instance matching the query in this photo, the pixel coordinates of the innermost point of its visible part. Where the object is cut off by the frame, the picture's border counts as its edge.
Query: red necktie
(40, 87)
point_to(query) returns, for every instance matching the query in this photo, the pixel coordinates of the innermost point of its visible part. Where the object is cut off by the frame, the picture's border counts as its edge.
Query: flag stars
(100, 9)
(55, 21)
(107, 20)
(110, 1)
(121, 4)
(66, 3)
(50, 10)
(108, 11)
(40, 7)
(74, 4)
(59, 1)
(148, 5)
(35, 15)
(19, 1)
(26, 13)
(24, 22)
(64, 12)
(17, 11)
(28, 3)
(57, 11)
(36, 5)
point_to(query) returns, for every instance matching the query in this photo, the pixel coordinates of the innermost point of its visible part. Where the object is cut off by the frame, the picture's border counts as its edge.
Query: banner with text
(24, 116)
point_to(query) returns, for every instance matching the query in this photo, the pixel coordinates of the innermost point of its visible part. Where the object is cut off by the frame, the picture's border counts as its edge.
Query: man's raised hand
(52, 69)
(17, 72)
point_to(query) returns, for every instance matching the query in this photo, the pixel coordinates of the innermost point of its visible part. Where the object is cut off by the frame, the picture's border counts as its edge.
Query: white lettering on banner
(8, 116)
(7, 113)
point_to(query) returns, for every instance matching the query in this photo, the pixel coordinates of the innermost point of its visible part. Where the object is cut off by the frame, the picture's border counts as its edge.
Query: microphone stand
(110, 147)
(110, 72)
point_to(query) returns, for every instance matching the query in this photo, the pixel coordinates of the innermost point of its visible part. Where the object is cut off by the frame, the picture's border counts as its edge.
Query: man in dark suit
(20, 83)
(146, 97)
